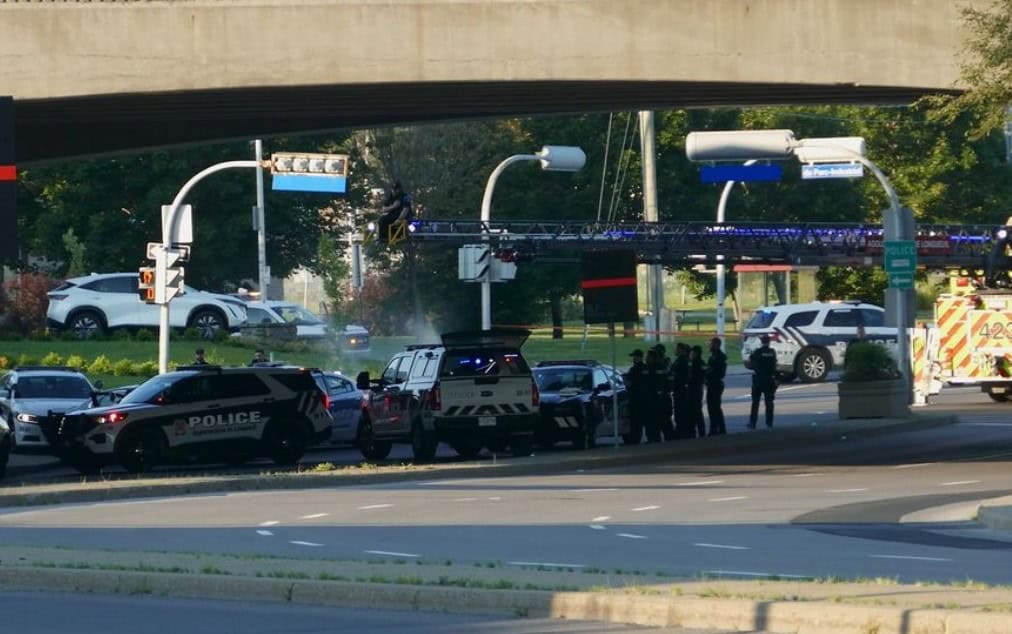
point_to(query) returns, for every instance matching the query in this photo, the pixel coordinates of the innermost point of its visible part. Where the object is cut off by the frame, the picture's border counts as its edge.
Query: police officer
(637, 383)
(258, 357)
(396, 208)
(716, 370)
(665, 393)
(697, 379)
(684, 425)
(198, 357)
(656, 382)
(763, 363)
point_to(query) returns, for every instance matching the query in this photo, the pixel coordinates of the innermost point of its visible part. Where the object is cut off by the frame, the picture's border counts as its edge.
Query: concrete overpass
(108, 76)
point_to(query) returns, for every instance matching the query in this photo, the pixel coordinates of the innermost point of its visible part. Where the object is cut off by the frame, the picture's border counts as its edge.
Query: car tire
(208, 322)
(521, 446)
(423, 443)
(86, 324)
(468, 448)
(812, 365)
(286, 443)
(366, 442)
(1001, 397)
(140, 451)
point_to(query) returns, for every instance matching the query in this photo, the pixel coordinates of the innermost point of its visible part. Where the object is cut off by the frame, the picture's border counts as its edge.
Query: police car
(201, 414)
(811, 339)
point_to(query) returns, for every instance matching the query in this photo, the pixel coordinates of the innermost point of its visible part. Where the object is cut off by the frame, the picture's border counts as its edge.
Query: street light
(553, 158)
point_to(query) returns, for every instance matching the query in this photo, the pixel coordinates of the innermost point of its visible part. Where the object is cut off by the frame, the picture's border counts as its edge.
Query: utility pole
(655, 273)
(263, 274)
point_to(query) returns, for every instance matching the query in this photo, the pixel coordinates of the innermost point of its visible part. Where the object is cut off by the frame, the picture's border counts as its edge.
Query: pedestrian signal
(146, 284)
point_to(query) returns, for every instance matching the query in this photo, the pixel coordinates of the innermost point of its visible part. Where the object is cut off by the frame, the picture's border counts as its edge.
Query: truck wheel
(366, 442)
(286, 443)
(521, 446)
(139, 451)
(423, 443)
(468, 447)
(812, 365)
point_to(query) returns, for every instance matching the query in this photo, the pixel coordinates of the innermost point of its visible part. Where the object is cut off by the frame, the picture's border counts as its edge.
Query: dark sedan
(577, 403)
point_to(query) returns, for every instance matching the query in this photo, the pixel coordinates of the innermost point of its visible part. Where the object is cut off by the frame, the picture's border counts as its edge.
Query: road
(843, 509)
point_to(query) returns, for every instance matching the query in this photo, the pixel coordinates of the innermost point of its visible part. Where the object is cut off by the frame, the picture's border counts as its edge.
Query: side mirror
(362, 380)
(603, 387)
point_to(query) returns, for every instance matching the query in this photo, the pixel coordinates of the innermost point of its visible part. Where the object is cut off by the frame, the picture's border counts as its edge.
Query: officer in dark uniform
(716, 370)
(396, 208)
(763, 363)
(680, 387)
(198, 357)
(637, 384)
(665, 393)
(697, 379)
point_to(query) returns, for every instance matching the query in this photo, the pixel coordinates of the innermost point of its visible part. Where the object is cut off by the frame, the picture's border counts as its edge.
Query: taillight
(435, 399)
(114, 418)
(325, 399)
(535, 394)
(774, 336)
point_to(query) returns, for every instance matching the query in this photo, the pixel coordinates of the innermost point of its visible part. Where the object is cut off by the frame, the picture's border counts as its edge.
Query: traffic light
(146, 284)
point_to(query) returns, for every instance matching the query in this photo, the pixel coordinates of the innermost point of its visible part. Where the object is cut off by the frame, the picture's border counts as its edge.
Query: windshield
(53, 387)
(483, 362)
(150, 390)
(558, 379)
(296, 314)
(761, 319)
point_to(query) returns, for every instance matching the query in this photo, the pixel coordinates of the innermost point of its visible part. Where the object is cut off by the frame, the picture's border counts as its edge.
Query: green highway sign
(900, 262)
(901, 281)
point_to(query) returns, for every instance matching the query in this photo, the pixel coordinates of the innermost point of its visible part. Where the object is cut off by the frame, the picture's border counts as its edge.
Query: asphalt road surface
(849, 508)
(91, 614)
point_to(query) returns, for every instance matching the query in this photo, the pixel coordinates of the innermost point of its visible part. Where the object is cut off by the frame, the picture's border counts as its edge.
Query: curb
(607, 457)
(728, 614)
(995, 517)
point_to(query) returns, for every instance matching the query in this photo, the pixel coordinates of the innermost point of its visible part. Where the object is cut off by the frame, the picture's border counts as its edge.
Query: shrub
(52, 359)
(121, 334)
(27, 359)
(144, 334)
(77, 362)
(145, 369)
(5, 362)
(27, 301)
(101, 365)
(123, 367)
(866, 361)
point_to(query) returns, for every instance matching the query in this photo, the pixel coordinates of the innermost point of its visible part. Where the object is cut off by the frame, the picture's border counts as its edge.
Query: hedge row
(100, 365)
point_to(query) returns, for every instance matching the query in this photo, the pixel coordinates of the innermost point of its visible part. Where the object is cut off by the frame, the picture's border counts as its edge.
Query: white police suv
(811, 339)
(201, 414)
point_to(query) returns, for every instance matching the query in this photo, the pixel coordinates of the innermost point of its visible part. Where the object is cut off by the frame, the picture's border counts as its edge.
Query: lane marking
(545, 564)
(270, 523)
(591, 490)
(464, 500)
(806, 475)
(495, 499)
(916, 465)
(314, 516)
(300, 543)
(747, 573)
(723, 546)
(958, 482)
(652, 507)
(374, 506)
(699, 483)
(601, 518)
(632, 536)
(988, 424)
(264, 533)
(910, 557)
(729, 499)
(392, 554)
(597, 527)
(845, 490)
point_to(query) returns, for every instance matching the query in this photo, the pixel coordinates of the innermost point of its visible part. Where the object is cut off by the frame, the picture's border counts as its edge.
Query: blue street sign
(832, 170)
(326, 183)
(741, 173)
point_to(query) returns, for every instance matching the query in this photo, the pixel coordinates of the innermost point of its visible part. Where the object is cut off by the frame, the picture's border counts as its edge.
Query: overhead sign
(832, 170)
(901, 263)
(8, 183)
(741, 173)
(926, 245)
(182, 232)
(609, 287)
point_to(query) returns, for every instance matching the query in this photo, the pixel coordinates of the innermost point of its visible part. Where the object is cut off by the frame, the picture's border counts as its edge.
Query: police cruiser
(811, 339)
(201, 414)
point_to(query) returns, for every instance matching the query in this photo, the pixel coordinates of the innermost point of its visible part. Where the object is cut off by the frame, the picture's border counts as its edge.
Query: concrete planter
(873, 399)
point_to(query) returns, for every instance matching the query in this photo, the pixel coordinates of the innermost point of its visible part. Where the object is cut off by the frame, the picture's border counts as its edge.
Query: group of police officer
(666, 396)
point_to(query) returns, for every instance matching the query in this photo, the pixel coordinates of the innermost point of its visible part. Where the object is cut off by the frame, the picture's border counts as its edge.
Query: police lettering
(215, 420)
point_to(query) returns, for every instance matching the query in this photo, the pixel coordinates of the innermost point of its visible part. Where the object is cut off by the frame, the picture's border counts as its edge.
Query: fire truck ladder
(679, 243)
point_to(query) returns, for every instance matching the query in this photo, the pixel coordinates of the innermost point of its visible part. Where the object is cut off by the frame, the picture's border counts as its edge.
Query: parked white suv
(811, 339)
(99, 302)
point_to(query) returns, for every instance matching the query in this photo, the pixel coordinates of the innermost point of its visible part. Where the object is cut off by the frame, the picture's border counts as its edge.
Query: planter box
(873, 399)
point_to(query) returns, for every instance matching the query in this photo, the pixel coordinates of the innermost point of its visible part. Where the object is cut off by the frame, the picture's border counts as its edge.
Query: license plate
(486, 421)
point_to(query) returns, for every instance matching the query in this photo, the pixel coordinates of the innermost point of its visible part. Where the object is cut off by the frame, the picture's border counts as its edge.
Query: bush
(27, 359)
(5, 362)
(120, 334)
(52, 359)
(101, 365)
(77, 362)
(123, 367)
(866, 361)
(144, 334)
(26, 301)
(145, 369)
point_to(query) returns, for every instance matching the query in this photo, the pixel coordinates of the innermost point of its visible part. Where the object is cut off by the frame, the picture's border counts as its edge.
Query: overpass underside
(60, 128)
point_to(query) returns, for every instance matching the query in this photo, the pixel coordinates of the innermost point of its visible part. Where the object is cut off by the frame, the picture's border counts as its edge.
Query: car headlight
(27, 418)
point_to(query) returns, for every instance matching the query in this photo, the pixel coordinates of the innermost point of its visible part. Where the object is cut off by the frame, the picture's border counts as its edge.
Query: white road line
(374, 506)
(806, 475)
(632, 536)
(988, 424)
(270, 523)
(845, 490)
(699, 483)
(652, 507)
(464, 500)
(299, 543)
(910, 557)
(958, 482)
(913, 466)
(601, 518)
(545, 564)
(597, 527)
(590, 490)
(495, 499)
(723, 546)
(313, 516)
(747, 573)
(264, 533)
(392, 554)
(729, 499)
